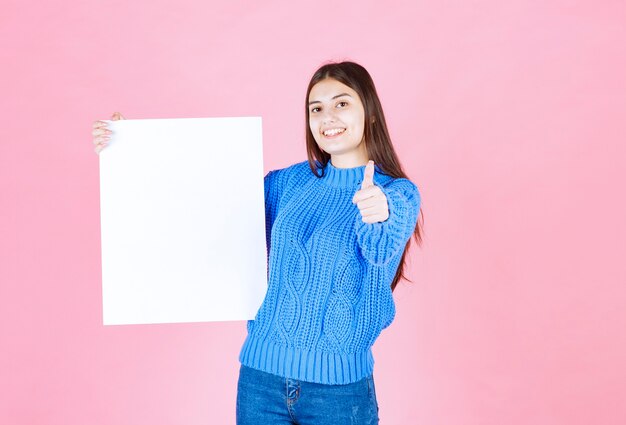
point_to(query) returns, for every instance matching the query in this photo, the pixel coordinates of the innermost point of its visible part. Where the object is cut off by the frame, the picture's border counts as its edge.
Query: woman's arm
(380, 242)
(274, 183)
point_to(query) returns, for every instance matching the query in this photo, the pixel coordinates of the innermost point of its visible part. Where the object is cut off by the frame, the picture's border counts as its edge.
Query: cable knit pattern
(329, 293)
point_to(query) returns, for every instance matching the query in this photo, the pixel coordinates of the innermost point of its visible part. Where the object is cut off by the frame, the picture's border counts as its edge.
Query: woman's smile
(333, 132)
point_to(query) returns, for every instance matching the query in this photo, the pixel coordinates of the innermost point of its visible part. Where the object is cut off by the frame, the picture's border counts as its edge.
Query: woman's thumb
(117, 116)
(368, 175)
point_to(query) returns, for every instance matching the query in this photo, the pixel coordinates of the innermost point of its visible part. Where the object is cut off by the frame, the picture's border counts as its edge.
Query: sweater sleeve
(380, 242)
(274, 183)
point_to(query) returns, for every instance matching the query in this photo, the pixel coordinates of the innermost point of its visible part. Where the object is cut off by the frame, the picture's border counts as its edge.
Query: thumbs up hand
(370, 199)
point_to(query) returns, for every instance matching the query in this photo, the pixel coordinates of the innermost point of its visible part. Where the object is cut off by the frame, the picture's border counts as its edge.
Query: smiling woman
(338, 227)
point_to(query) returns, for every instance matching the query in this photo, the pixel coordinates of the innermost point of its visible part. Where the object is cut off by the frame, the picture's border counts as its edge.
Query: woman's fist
(371, 201)
(101, 134)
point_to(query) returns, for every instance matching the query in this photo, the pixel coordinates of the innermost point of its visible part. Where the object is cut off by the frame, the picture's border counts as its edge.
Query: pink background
(510, 116)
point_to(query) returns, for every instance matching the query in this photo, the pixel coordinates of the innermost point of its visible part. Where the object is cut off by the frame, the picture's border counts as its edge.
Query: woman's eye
(314, 109)
(342, 102)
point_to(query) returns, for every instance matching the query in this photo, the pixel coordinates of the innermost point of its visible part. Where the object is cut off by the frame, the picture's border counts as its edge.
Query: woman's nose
(328, 117)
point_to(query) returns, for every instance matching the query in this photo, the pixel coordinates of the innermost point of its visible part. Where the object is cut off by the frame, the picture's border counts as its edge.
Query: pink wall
(510, 116)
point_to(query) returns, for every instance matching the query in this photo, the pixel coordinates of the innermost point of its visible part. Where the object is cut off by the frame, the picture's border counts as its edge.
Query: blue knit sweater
(329, 293)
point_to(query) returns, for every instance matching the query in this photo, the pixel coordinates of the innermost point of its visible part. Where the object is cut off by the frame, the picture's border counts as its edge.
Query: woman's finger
(101, 139)
(368, 177)
(117, 116)
(100, 131)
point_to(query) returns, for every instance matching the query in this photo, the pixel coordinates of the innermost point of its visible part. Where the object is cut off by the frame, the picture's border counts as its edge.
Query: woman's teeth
(334, 131)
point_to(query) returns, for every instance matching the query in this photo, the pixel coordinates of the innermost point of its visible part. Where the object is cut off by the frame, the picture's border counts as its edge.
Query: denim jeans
(268, 399)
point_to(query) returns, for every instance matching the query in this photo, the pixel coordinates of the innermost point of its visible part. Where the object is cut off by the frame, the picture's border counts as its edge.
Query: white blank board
(182, 220)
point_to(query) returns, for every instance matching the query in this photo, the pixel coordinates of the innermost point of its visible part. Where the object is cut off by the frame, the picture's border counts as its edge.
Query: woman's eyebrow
(334, 97)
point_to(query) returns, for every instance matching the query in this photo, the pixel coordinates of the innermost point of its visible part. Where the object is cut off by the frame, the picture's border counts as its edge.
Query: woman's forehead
(328, 89)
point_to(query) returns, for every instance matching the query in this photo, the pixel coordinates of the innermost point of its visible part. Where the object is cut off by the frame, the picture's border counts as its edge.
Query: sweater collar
(344, 177)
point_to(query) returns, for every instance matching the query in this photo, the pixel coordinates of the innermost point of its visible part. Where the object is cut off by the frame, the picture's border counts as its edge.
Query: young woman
(338, 227)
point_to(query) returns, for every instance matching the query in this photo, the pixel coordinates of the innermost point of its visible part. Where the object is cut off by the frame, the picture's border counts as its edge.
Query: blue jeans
(268, 399)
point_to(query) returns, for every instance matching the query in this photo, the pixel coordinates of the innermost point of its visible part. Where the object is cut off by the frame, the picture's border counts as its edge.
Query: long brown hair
(376, 136)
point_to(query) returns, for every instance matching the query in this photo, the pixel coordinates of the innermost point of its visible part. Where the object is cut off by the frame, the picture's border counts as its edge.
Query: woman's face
(336, 119)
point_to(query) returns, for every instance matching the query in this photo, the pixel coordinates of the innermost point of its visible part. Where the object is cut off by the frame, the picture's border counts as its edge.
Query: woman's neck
(349, 161)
